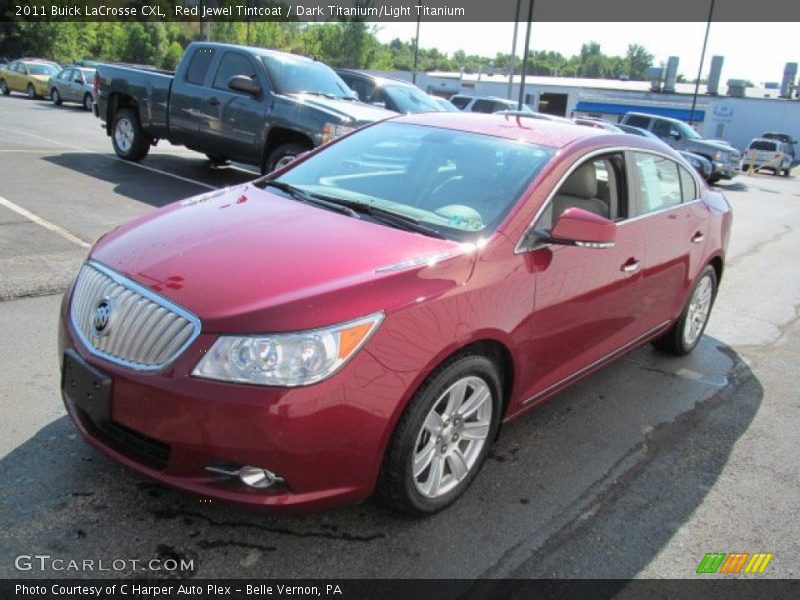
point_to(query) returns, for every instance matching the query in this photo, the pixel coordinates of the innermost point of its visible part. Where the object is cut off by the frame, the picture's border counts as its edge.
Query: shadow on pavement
(148, 186)
(581, 487)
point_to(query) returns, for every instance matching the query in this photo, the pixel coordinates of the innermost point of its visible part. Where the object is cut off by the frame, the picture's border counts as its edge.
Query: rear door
(16, 77)
(232, 121)
(188, 94)
(674, 221)
(75, 86)
(61, 83)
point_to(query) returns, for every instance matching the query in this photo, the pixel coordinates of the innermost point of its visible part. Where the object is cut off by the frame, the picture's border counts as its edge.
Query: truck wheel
(282, 156)
(4, 88)
(130, 142)
(55, 97)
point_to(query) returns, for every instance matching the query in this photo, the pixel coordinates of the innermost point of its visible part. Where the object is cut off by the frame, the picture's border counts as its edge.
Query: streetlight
(525, 56)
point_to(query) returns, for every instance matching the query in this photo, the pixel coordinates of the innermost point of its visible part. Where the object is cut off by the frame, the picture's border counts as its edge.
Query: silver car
(73, 84)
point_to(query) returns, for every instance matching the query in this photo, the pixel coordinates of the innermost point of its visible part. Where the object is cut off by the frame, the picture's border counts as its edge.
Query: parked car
(73, 84)
(256, 106)
(487, 104)
(724, 157)
(392, 94)
(597, 123)
(782, 137)
(340, 328)
(700, 163)
(28, 77)
(768, 154)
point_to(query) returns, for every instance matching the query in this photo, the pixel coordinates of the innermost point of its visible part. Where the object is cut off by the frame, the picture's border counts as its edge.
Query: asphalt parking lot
(638, 471)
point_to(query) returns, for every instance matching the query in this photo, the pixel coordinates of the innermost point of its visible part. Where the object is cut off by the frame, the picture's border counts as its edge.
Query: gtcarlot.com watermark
(46, 562)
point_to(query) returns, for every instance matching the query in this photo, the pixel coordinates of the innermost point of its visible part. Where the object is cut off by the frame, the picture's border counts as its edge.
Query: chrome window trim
(149, 295)
(519, 249)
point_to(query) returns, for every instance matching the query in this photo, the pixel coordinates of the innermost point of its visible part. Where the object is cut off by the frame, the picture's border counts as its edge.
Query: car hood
(717, 145)
(247, 260)
(344, 110)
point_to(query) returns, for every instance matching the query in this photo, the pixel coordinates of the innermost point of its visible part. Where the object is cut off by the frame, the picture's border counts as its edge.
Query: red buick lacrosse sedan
(363, 320)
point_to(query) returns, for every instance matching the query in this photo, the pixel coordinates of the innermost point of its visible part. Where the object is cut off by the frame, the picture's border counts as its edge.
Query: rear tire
(55, 97)
(32, 92)
(282, 156)
(685, 334)
(130, 142)
(4, 88)
(87, 101)
(443, 437)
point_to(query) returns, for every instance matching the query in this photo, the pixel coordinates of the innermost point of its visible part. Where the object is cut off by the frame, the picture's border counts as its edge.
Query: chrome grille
(142, 330)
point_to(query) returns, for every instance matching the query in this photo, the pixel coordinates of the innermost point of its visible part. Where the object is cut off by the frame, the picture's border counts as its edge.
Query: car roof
(379, 79)
(521, 128)
(762, 139)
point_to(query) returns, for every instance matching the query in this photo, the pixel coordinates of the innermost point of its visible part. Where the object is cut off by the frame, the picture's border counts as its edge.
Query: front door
(587, 301)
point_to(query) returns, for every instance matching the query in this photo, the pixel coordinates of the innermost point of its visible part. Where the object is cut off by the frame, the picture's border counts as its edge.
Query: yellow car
(27, 76)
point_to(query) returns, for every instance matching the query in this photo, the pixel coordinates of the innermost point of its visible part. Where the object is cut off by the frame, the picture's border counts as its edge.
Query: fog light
(256, 477)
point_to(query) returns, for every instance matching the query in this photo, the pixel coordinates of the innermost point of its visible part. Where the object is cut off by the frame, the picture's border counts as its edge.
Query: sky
(754, 51)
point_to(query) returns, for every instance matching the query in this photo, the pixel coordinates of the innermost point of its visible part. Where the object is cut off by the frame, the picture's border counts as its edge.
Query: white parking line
(44, 223)
(141, 166)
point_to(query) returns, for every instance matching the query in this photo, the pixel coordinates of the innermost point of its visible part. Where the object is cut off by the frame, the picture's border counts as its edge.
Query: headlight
(286, 359)
(721, 156)
(331, 131)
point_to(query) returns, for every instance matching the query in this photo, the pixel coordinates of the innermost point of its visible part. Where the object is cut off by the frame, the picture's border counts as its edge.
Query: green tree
(639, 62)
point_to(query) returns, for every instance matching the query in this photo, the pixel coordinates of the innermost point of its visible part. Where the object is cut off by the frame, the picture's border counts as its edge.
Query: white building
(723, 116)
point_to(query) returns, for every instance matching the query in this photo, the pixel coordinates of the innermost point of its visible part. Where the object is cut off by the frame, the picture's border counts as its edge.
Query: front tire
(685, 334)
(130, 142)
(443, 436)
(55, 97)
(282, 156)
(32, 92)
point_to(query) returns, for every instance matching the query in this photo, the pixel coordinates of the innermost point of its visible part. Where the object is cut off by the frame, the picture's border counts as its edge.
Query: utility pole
(700, 70)
(525, 56)
(416, 45)
(513, 51)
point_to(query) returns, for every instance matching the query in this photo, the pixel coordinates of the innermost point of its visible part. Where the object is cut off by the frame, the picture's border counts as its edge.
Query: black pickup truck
(252, 105)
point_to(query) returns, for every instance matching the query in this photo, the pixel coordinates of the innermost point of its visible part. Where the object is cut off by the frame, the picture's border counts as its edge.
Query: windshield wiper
(309, 198)
(326, 95)
(388, 217)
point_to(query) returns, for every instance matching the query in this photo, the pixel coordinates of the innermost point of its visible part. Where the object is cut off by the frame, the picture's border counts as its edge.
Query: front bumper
(325, 440)
(726, 170)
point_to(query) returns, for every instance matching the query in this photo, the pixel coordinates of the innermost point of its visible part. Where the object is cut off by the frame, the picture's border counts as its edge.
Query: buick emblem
(102, 316)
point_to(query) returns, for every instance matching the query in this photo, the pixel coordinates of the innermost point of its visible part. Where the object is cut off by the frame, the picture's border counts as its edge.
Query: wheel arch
(278, 136)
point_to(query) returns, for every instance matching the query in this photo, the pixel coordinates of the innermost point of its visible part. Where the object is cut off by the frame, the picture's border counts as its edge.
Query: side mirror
(242, 83)
(578, 227)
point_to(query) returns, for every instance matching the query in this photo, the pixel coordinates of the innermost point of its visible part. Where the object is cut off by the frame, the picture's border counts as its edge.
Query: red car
(363, 320)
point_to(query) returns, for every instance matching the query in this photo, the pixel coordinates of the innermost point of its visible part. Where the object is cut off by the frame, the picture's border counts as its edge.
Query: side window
(459, 101)
(232, 64)
(688, 185)
(363, 88)
(596, 186)
(637, 121)
(662, 128)
(483, 106)
(77, 77)
(659, 182)
(66, 75)
(198, 66)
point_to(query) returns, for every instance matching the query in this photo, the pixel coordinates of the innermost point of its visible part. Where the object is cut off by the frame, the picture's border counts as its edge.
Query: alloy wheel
(452, 436)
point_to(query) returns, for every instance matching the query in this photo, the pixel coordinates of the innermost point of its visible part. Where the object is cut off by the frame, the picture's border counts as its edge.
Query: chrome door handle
(698, 237)
(630, 266)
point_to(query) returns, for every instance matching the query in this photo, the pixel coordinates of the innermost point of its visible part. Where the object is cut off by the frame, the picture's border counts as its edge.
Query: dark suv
(393, 94)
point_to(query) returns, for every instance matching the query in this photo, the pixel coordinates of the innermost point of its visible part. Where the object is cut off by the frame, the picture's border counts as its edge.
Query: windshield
(459, 184)
(686, 131)
(411, 100)
(291, 75)
(36, 69)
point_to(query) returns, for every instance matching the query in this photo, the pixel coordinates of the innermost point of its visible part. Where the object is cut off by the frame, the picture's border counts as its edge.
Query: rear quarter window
(198, 65)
